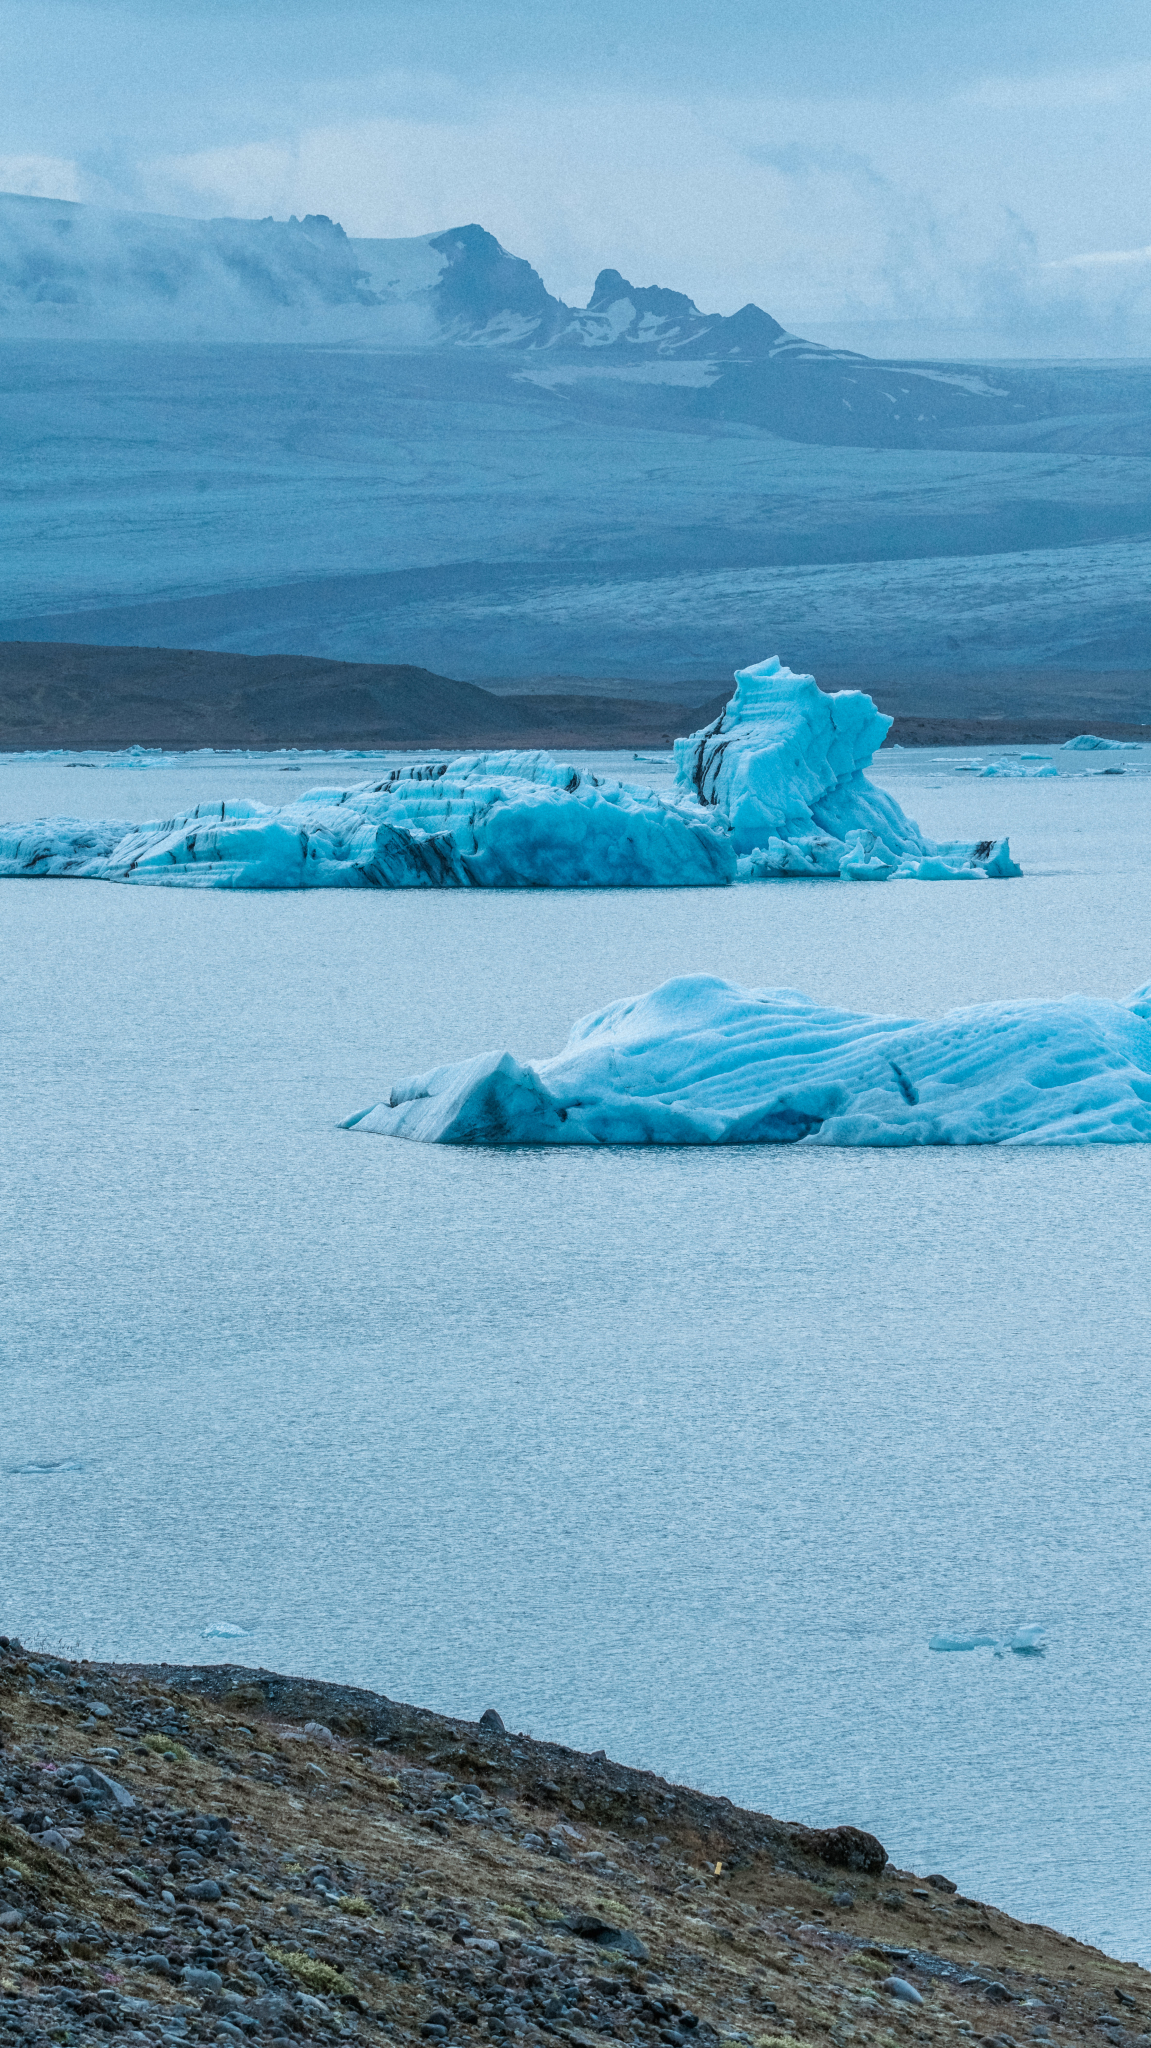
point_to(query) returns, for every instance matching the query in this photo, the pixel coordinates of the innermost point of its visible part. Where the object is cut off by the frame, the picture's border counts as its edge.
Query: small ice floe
(1090, 743)
(225, 1631)
(1026, 1641)
(36, 1468)
(1025, 769)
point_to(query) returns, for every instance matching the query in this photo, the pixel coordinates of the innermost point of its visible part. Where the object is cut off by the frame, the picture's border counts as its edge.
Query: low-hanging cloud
(966, 225)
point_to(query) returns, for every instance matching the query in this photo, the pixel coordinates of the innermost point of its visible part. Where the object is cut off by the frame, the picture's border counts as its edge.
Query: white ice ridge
(783, 763)
(702, 1062)
(496, 821)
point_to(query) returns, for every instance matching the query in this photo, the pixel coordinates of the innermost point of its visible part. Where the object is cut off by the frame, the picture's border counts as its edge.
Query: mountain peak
(82, 270)
(481, 283)
(610, 287)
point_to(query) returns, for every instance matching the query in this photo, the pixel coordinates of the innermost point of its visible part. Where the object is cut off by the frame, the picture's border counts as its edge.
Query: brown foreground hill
(219, 1854)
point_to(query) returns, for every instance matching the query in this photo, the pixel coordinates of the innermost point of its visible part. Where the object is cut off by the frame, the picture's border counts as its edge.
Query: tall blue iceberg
(783, 764)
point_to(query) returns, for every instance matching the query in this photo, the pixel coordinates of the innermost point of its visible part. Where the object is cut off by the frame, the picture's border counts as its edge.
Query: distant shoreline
(93, 698)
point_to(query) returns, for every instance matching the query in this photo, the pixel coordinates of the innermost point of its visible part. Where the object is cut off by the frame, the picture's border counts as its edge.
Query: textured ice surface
(702, 1062)
(501, 821)
(776, 780)
(783, 763)
(1020, 771)
(1089, 743)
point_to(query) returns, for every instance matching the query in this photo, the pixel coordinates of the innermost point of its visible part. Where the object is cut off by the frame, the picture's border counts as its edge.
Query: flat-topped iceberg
(486, 821)
(702, 1062)
(784, 762)
(773, 788)
(1090, 743)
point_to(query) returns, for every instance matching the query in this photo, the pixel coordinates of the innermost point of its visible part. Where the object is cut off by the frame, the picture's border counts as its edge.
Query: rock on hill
(189, 1853)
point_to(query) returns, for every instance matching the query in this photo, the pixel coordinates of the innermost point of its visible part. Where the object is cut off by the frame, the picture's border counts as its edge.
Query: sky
(901, 177)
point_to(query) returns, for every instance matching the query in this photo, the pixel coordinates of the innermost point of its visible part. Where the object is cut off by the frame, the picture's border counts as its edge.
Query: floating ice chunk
(972, 1642)
(702, 1062)
(496, 821)
(775, 784)
(35, 1469)
(1025, 1642)
(1089, 742)
(225, 1631)
(1020, 771)
(783, 763)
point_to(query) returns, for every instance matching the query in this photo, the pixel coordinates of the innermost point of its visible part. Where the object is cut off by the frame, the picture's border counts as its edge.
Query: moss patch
(317, 1976)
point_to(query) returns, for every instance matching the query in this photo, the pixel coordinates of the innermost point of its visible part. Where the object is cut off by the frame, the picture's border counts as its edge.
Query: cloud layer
(960, 211)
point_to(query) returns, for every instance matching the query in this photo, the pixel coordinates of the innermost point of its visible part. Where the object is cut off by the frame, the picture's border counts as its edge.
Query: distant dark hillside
(77, 697)
(55, 695)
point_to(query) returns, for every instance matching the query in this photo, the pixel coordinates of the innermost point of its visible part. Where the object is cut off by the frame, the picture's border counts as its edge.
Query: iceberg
(772, 788)
(1020, 771)
(495, 821)
(784, 762)
(1023, 1642)
(1090, 743)
(700, 1061)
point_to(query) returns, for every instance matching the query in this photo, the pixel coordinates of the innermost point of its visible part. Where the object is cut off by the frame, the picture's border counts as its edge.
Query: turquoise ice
(772, 788)
(702, 1062)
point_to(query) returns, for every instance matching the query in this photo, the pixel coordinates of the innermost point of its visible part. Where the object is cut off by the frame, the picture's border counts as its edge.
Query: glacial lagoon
(685, 1454)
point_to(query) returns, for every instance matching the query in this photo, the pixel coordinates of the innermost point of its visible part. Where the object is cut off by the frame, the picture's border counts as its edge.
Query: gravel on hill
(216, 1854)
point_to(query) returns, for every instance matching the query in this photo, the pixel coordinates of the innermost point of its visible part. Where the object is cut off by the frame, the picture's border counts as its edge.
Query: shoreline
(198, 1852)
(91, 698)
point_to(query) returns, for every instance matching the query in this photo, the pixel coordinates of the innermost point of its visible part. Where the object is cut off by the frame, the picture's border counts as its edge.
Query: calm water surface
(686, 1455)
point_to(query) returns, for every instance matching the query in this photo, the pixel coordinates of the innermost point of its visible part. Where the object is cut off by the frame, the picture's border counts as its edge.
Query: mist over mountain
(270, 437)
(72, 272)
(93, 274)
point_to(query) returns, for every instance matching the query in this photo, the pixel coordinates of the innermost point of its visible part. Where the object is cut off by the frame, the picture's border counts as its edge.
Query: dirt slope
(191, 1854)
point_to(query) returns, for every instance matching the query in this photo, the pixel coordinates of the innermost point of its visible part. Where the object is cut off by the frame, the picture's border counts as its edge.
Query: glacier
(772, 788)
(700, 1061)
(783, 764)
